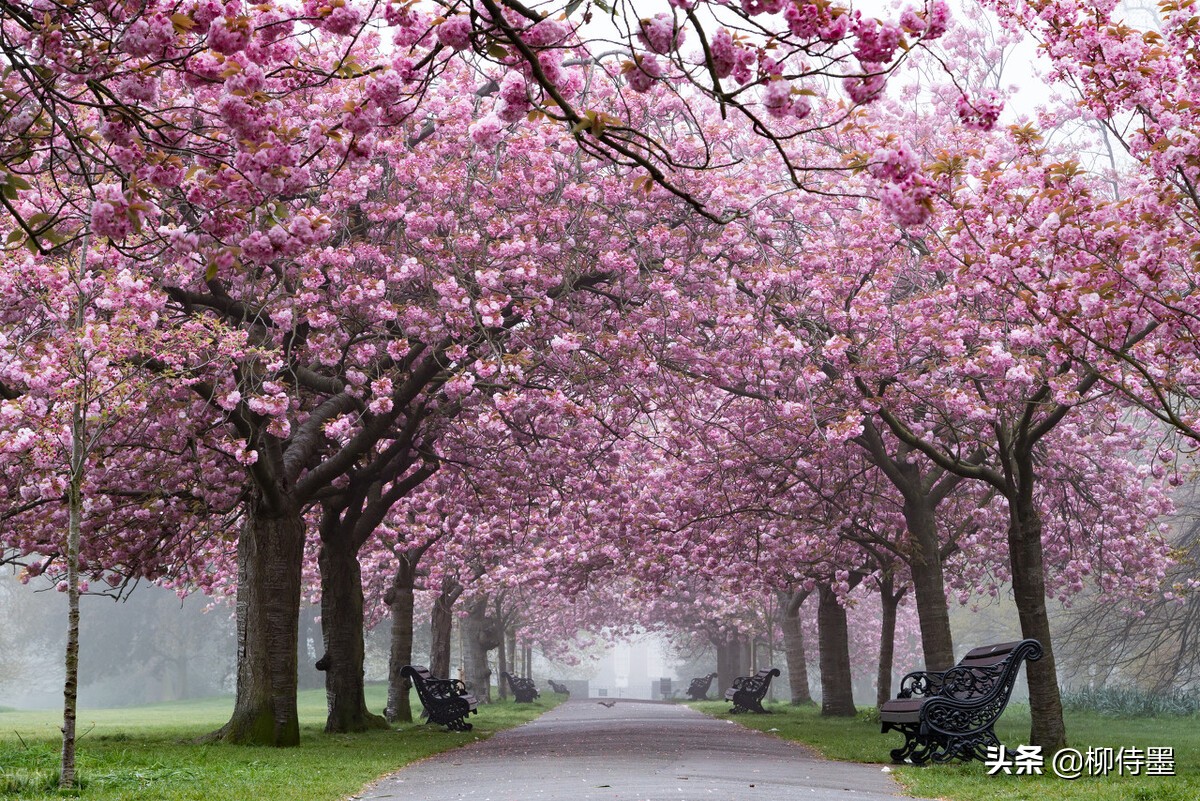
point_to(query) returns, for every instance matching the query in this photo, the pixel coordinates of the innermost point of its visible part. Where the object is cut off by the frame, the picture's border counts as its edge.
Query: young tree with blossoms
(70, 402)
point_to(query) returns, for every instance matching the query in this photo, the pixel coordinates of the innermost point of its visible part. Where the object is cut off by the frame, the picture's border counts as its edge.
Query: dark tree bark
(502, 652)
(793, 647)
(441, 628)
(481, 633)
(837, 687)
(348, 520)
(929, 587)
(342, 635)
(400, 601)
(726, 665)
(922, 493)
(270, 555)
(889, 600)
(1025, 553)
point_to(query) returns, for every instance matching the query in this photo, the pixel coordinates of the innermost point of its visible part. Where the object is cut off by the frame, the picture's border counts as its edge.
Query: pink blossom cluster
(229, 35)
(204, 12)
(643, 71)
(455, 32)
(487, 131)
(723, 52)
(930, 25)
(783, 100)
(514, 98)
(981, 113)
(660, 33)
(910, 201)
(152, 35)
(864, 88)
(730, 58)
(819, 21)
(337, 17)
(756, 7)
(875, 42)
(139, 88)
(113, 214)
(894, 163)
(547, 33)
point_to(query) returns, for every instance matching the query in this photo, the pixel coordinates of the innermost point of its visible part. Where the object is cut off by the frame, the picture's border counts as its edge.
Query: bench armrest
(921, 684)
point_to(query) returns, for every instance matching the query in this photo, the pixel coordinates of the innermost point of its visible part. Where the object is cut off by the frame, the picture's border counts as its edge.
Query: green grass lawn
(859, 740)
(147, 753)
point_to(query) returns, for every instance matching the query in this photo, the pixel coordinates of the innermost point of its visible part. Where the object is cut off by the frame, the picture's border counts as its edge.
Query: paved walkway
(583, 751)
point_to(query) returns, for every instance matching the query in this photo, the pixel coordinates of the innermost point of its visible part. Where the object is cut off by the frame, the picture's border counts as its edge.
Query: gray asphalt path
(582, 751)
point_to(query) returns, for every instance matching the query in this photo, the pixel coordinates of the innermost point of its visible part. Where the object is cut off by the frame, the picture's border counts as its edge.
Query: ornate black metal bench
(446, 701)
(698, 689)
(561, 689)
(950, 714)
(524, 690)
(747, 692)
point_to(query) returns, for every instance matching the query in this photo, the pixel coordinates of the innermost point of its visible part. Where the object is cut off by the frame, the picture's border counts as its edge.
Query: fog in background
(151, 647)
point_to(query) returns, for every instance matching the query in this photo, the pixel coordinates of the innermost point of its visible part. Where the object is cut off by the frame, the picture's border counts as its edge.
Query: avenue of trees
(549, 317)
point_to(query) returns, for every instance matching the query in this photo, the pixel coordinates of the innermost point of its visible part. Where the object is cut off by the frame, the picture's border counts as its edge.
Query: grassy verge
(859, 740)
(147, 753)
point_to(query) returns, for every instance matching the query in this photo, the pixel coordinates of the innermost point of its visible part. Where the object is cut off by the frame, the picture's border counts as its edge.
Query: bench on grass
(446, 701)
(747, 692)
(950, 714)
(524, 690)
(561, 689)
(698, 689)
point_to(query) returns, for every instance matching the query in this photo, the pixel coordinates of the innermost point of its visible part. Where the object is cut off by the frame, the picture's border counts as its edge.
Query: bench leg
(744, 702)
(916, 749)
(967, 747)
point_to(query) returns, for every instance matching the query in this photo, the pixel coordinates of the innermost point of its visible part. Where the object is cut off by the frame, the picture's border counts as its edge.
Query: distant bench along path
(632, 751)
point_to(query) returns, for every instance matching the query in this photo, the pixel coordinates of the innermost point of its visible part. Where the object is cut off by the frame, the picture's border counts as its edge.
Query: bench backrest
(516, 681)
(988, 671)
(431, 689)
(756, 683)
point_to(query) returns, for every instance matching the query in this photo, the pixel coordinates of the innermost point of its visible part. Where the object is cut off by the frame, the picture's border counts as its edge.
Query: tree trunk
(400, 600)
(66, 775)
(475, 662)
(837, 688)
(925, 563)
(502, 665)
(726, 665)
(270, 556)
(889, 601)
(441, 628)
(342, 636)
(745, 656)
(793, 646)
(1047, 729)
